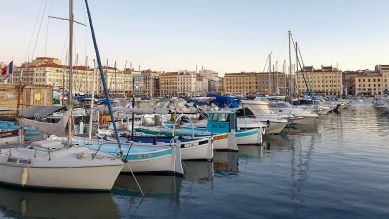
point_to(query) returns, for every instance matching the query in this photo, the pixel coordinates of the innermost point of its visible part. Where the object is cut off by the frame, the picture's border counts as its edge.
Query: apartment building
(368, 84)
(255, 83)
(384, 70)
(49, 71)
(186, 83)
(168, 84)
(150, 87)
(244, 83)
(327, 80)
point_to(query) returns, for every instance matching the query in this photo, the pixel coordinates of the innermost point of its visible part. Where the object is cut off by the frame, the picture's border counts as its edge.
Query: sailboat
(53, 164)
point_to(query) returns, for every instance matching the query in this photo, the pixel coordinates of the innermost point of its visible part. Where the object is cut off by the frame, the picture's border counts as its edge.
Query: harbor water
(337, 168)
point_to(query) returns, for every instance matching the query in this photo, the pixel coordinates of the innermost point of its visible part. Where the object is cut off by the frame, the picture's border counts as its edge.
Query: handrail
(178, 118)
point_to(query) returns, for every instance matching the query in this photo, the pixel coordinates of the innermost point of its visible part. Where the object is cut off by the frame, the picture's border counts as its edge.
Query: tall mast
(115, 80)
(270, 81)
(85, 84)
(297, 69)
(124, 76)
(277, 88)
(284, 74)
(290, 68)
(70, 100)
(92, 102)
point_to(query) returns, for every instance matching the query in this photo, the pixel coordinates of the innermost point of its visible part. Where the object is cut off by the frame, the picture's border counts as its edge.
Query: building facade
(150, 87)
(57, 75)
(168, 84)
(327, 80)
(384, 70)
(255, 83)
(241, 83)
(186, 83)
(368, 84)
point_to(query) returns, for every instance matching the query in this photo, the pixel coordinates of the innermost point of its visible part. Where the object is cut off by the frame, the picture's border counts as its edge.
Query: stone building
(255, 83)
(327, 80)
(168, 84)
(49, 71)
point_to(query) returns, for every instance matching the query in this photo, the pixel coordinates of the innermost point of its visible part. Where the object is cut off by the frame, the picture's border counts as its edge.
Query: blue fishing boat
(221, 126)
(150, 159)
(29, 132)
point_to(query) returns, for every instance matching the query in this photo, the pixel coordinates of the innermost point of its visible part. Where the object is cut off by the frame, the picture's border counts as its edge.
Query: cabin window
(224, 117)
(12, 160)
(25, 161)
(214, 117)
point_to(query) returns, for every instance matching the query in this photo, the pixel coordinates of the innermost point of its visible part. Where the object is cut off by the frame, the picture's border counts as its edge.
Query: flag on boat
(4, 71)
(7, 70)
(10, 68)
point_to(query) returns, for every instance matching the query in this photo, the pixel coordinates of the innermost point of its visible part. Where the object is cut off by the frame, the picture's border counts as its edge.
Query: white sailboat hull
(77, 178)
(251, 139)
(170, 163)
(197, 152)
(224, 142)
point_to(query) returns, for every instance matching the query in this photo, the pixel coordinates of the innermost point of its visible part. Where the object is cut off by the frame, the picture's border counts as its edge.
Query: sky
(222, 35)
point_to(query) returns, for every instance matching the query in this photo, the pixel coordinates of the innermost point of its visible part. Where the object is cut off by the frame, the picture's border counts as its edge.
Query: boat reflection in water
(250, 152)
(281, 142)
(159, 186)
(152, 186)
(19, 203)
(226, 163)
(302, 129)
(198, 171)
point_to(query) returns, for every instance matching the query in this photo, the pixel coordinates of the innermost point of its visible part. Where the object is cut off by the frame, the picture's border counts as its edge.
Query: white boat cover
(58, 128)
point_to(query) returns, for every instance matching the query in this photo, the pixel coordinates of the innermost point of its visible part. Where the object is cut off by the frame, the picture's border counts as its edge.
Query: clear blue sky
(224, 35)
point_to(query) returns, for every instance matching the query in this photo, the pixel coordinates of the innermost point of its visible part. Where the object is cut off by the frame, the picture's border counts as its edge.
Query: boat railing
(179, 119)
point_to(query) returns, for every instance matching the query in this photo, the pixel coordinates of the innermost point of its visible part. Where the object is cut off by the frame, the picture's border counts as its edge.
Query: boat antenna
(102, 76)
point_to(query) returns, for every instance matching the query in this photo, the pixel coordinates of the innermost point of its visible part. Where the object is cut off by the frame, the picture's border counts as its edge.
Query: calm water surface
(336, 169)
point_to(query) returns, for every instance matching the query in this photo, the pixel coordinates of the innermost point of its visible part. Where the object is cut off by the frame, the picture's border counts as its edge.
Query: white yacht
(295, 115)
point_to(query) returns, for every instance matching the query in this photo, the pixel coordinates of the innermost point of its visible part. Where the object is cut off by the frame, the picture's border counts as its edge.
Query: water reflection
(198, 172)
(226, 163)
(38, 204)
(282, 141)
(250, 152)
(302, 128)
(152, 186)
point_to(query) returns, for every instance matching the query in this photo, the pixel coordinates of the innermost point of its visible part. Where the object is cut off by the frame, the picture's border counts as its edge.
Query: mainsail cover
(58, 128)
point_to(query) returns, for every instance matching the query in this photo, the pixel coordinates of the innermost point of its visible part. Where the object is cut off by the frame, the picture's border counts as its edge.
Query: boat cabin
(221, 121)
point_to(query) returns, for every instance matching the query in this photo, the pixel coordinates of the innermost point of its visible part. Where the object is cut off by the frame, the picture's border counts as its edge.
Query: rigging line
(306, 81)
(64, 46)
(33, 32)
(282, 48)
(39, 30)
(267, 59)
(302, 68)
(86, 29)
(47, 27)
